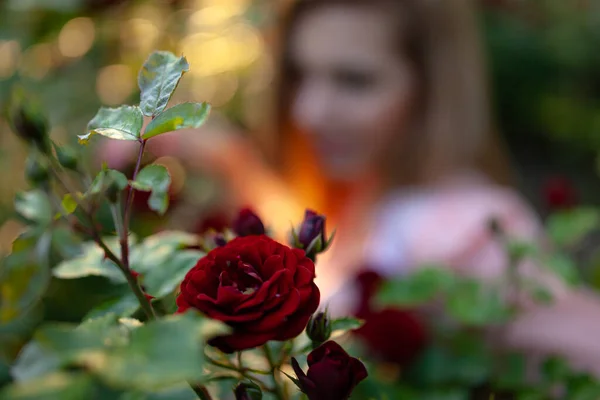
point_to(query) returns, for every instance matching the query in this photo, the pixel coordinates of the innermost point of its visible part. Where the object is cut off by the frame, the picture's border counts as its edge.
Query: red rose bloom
(392, 334)
(332, 373)
(262, 289)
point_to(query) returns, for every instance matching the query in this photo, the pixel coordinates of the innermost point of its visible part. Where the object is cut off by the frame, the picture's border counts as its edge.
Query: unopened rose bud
(36, 170)
(219, 240)
(29, 124)
(247, 391)
(67, 157)
(311, 236)
(319, 328)
(248, 223)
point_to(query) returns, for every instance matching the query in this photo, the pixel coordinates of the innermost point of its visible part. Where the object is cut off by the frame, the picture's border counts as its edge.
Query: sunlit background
(79, 54)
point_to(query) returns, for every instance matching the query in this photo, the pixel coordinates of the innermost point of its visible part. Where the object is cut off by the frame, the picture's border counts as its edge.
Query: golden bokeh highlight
(36, 61)
(231, 7)
(212, 53)
(114, 84)
(10, 52)
(76, 37)
(139, 34)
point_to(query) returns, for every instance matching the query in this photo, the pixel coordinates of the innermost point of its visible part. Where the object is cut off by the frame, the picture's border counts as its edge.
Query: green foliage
(92, 261)
(123, 123)
(158, 79)
(34, 207)
(155, 179)
(121, 353)
(416, 288)
(346, 324)
(570, 227)
(181, 116)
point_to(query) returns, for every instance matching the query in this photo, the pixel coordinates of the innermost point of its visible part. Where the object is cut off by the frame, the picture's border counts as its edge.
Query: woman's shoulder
(448, 222)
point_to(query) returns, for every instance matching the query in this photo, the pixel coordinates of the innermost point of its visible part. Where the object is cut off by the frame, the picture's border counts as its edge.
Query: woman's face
(353, 89)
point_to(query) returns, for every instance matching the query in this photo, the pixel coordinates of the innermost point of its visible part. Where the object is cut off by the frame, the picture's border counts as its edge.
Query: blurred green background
(79, 54)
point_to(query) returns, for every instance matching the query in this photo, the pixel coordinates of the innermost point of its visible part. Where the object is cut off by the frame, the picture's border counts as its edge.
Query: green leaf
(417, 288)
(69, 204)
(123, 306)
(159, 354)
(163, 279)
(34, 362)
(56, 386)
(569, 227)
(123, 123)
(513, 372)
(155, 178)
(158, 79)
(555, 369)
(474, 303)
(564, 267)
(34, 207)
(105, 179)
(346, 324)
(90, 262)
(181, 116)
(24, 278)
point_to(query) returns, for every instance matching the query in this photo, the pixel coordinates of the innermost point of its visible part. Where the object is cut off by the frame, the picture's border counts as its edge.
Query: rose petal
(275, 318)
(240, 341)
(263, 292)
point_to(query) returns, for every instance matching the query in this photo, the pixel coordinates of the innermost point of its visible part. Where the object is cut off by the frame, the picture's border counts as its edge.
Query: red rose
(262, 289)
(392, 334)
(248, 223)
(559, 193)
(332, 374)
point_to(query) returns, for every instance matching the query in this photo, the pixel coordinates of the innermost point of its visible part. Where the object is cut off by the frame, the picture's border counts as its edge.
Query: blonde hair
(451, 128)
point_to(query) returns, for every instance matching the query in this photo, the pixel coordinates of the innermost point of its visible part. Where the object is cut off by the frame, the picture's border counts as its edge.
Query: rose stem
(201, 391)
(269, 356)
(131, 281)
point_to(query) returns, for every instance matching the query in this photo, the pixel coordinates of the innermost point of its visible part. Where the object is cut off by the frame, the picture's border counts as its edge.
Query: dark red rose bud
(247, 391)
(262, 289)
(559, 193)
(332, 374)
(393, 335)
(219, 240)
(248, 223)
(319, 328)
(311, 230)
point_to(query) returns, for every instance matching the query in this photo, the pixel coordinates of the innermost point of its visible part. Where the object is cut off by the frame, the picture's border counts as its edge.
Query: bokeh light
(76, 37)
(36, 61)
(10, 52)
(115, 83)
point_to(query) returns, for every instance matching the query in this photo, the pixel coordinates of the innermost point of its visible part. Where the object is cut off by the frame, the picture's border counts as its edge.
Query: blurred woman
(383, 125)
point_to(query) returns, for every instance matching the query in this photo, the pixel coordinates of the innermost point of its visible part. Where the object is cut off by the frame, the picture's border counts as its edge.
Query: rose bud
(36, 170)
(262, 289)
(29, 124)
(559, 193)
(332, 373)
(247, 391)
(311, 236)
(319, 328)
(67, 157)
(248, 223)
